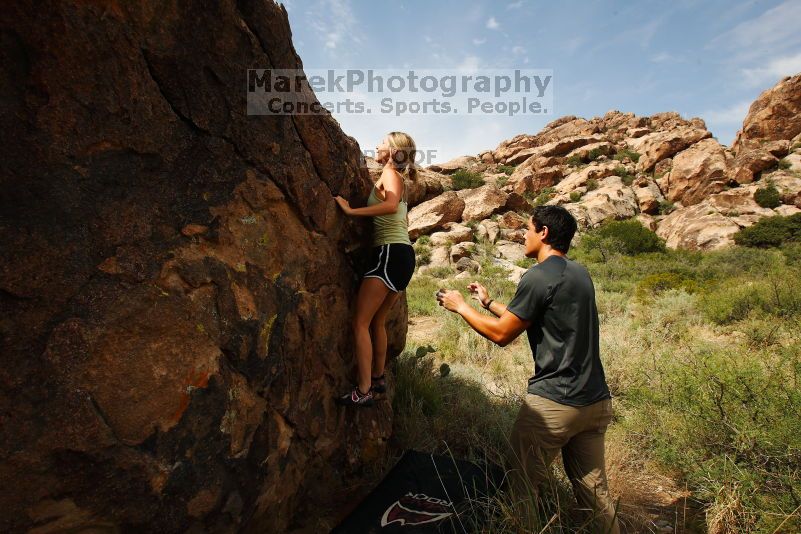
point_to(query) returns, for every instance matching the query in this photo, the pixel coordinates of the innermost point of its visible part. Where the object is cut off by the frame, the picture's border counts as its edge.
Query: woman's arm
(392, 188)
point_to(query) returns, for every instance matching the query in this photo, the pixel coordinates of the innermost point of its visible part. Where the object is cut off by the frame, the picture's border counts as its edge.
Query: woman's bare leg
(371, 295)
(378, 333)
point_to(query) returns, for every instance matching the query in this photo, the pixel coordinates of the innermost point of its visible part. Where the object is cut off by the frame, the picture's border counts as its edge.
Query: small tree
(768, 196)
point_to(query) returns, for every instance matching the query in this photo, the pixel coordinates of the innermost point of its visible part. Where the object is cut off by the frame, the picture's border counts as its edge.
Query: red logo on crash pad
(416, 509)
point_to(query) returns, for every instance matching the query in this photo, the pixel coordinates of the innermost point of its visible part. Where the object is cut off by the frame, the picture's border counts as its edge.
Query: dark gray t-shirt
(558, 297)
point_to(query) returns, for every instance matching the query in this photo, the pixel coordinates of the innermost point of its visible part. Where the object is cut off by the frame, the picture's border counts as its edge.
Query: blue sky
(708, 59)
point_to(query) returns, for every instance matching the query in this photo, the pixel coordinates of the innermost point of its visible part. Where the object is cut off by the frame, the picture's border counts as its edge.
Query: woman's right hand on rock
(478, 292)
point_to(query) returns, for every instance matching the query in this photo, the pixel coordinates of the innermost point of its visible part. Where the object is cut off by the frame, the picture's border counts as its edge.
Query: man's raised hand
(478, 292)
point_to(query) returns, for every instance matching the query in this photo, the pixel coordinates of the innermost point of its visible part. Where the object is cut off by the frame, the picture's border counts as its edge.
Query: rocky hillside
(176, 282)
(667, 171)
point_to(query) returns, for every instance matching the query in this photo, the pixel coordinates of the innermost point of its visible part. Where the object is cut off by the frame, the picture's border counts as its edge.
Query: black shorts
(393, 263)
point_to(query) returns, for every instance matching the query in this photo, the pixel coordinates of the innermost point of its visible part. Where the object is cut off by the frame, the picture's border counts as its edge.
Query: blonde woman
(390, 267)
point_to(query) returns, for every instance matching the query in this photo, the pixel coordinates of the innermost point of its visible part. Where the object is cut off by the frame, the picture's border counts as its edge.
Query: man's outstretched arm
(501, 330)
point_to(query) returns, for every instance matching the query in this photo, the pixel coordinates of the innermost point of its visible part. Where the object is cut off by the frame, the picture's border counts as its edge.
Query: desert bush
(626, 153)
(785, 164)
(574, 160)
(575, 196)
(771, 232)
(768, 196)
(624, 175)
(506, 169)
(540, 198)
(420, 294)
(665, 207)
(592, 184)
(594, 154)
(626, 237)
(776, 292)
(659, 282)
(464, 179)
(720, 418)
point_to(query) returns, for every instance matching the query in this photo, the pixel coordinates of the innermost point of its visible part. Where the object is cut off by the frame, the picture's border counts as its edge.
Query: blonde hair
(404, 156)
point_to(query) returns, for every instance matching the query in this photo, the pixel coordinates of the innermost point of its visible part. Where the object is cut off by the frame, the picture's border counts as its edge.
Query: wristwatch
(487, 305)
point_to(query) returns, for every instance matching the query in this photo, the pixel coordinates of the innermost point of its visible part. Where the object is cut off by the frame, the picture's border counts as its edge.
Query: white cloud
(775, 70)
(515, 5)
(477, 41)
(774, 31)
(335, 22)
(493, 24)
(573, 44)
(470, 64)
(664, 57)
(733, 114)
(518, 50)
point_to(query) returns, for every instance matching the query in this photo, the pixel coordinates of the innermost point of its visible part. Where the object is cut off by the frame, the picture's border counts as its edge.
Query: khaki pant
(543, 428)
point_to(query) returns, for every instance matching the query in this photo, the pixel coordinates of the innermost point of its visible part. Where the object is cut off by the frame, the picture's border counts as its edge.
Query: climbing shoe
(356, 398)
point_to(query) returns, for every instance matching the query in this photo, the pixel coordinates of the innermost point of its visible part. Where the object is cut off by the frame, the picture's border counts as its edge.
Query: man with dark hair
(568, 405)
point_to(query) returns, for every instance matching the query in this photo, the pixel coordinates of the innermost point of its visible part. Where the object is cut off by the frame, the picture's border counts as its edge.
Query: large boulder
(535, 174)
(579, 178)
(749, 164)
(611, 201)
(558, 147)
(774, 115)
(176, 278)
(455, 233)
(481, 202)
(697, 227)
(434, 214)
(697, 172)
(563, 127)
(453, 165)
(789, 186)
(648, 195)
(663, 144)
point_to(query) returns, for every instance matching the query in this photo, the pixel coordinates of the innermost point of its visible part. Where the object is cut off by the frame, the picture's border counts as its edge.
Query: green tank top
(390, 228)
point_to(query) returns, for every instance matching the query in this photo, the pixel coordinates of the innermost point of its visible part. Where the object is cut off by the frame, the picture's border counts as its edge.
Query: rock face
(664, 144)
(621, 166)
(176, 280)
(434, 214)
(774, 115)
(697, 173)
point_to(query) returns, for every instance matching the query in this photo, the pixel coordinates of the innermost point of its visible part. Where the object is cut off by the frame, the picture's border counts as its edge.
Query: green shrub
(422, 254)
(768, 196)
(792, 253)
(626, 153)
(594, 154)
(525, 263)
(722, 420)
(592, 184)
(501, 181)
(624, 237)
(624, 175)
(440, 272)
(666, 206)
(796, 146)
(771, 232)
(574, 161)
(544, 196)
(776, 292)
(506, 169)
(659, 282)
(464, 179)
(423, 240)
(785, 164)
(575, 196)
